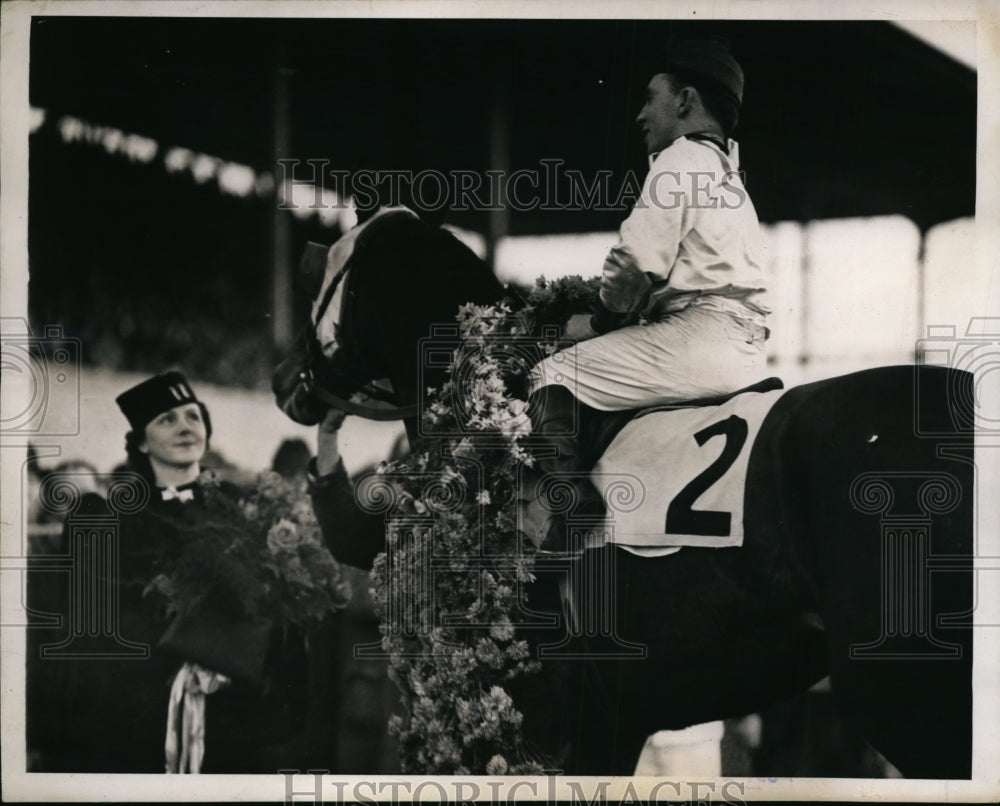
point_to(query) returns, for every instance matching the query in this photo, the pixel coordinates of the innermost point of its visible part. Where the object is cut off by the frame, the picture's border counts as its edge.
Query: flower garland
(451, 636)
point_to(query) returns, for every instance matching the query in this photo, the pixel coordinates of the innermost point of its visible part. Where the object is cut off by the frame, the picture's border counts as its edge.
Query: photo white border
(14, 113)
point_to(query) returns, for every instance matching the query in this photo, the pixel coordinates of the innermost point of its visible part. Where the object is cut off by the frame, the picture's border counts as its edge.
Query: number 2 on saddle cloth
(666, 476)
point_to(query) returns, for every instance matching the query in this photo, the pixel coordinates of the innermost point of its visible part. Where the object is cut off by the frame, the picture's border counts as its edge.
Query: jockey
(683, 297)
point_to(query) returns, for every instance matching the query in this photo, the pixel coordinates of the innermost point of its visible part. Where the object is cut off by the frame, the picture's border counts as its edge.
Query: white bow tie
(169, 494)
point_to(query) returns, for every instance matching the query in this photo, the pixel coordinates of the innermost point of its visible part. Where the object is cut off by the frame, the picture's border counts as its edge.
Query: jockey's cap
(709, 59)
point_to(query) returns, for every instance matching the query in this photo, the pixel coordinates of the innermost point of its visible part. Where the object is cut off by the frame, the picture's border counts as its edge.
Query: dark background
(151, 269)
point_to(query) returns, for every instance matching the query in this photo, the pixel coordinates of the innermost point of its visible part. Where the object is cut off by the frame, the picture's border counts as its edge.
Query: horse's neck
(415, 280)
(410, 383)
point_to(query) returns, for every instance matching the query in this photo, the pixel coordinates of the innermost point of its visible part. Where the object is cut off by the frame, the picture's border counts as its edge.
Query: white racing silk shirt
(692, 235)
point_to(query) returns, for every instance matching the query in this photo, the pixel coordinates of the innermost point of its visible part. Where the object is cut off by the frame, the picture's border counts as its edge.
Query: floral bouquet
(454, 651)
(244, 564)
(304, 582)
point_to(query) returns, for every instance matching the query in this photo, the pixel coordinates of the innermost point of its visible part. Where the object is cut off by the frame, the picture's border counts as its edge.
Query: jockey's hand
(579, 328)
(327, 450)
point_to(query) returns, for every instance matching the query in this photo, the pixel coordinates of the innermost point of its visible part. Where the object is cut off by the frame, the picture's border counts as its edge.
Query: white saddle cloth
(667, 472)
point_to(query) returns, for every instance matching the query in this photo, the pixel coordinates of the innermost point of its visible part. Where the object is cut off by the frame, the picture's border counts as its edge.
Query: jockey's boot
(564, 490)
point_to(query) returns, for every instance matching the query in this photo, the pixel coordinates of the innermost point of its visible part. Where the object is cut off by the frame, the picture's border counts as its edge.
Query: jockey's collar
(709, 137)
(727, 148)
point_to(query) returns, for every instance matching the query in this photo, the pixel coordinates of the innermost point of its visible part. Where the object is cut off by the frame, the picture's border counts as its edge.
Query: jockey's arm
(648, 244)
(354, 537)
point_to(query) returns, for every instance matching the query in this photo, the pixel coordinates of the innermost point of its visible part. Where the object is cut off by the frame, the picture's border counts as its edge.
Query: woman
(168, 440)
(112, 712)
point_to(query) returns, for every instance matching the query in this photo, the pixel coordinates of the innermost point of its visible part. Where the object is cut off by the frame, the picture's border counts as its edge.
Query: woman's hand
(327, 451)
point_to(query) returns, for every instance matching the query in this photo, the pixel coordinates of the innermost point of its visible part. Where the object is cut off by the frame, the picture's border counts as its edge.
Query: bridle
(350, 355)
(369, 391)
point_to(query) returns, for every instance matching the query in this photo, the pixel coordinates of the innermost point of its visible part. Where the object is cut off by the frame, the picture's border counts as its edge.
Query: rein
(360, 409)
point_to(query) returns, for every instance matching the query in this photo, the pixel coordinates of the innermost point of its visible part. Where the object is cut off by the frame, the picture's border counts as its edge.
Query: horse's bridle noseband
(369, 391)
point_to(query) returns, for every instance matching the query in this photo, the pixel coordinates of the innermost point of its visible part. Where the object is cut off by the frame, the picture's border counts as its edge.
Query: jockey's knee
(536, 378)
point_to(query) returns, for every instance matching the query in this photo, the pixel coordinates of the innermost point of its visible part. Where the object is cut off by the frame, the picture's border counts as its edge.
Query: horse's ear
(312, 268)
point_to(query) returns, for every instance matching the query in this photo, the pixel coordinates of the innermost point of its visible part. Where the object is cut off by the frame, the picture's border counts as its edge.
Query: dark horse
(855, 563)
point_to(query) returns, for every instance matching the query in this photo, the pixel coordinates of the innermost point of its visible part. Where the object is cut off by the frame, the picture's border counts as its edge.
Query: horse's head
(326, 366)
(375, 296)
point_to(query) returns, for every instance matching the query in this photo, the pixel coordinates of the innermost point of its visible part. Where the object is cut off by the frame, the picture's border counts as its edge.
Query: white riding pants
(696, 352)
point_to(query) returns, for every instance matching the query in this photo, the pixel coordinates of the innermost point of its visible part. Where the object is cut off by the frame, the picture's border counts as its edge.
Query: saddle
(600, 429)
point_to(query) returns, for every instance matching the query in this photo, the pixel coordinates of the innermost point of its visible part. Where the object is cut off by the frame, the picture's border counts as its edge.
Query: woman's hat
(158, 394)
